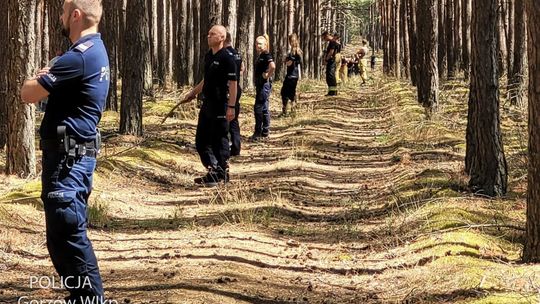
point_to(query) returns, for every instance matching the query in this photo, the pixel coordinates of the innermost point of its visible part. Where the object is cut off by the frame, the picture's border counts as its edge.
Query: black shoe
(255, 137)
(213, 177)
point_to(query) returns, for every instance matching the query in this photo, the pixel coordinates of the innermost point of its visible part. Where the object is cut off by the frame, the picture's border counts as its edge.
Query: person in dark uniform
(219, 88)
(293, 62)
(264, 70)
(234, 125)
(331, 66)
(337, 57)
(76, 86)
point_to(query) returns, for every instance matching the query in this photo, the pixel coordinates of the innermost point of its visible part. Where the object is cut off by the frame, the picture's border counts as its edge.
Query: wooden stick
(181, 102)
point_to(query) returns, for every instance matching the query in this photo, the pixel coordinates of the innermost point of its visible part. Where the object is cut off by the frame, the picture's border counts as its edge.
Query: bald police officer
(219, 88)
(76, 87)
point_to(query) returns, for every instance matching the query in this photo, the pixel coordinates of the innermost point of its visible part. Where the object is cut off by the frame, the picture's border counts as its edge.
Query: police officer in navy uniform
(234, 125)
(331, 66)
(264, 70)
(76, 86)
(219, 88)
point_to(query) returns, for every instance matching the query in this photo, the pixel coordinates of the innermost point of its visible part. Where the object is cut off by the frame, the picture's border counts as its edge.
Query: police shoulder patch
(83, 47)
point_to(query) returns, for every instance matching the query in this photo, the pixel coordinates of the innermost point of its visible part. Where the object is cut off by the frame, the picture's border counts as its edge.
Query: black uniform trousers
(331, 77)
(211, 138)
(234, 127)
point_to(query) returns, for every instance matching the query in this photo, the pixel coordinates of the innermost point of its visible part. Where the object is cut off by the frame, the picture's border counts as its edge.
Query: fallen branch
(181, 102)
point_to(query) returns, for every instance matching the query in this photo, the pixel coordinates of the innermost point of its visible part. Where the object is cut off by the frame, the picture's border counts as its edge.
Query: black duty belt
(80, 149)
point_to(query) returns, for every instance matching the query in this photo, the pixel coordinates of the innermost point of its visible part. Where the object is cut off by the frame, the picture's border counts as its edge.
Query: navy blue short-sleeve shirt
(78, 84)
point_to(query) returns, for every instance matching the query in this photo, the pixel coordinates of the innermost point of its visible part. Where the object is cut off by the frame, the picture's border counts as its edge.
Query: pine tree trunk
(501, 42)
(136, 46)
(4, 40)
(405, 39)
(510, 35)
(465, 37)
(153, 34)
(161, 42)
(531, 250)
(182, 75)
(485, 160)
(246, 40)
(190, 44)
(196, 15)
(211, 11)
(318, 42)
(21, 152)
(517, 74)
(428, 80)
(457, 35)
(45, 37)
(290, 16)
(38, 31)
(411, 14)
(58, 44)
(148, 67)
(231, 18)
(170, 42)
(109, 24)
(449, 32)
(441, 50)
(385, 37)
(396, 38)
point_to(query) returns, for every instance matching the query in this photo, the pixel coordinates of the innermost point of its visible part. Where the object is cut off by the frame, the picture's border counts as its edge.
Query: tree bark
(428, 80)
(517, 72)
(136, 47)
(449, 32)
(246, 39)
(161, 42)
(21, 152)
(4, 40)
(110, 26)
(230, 19)
(58, 44)
(485, 161)
(411, 14)
(465, 37)
(196, 14)
(405, 39)
(211, 13)
(531, 250)
(441, 50)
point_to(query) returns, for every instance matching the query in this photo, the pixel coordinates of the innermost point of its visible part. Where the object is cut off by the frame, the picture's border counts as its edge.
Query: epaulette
(83, 47)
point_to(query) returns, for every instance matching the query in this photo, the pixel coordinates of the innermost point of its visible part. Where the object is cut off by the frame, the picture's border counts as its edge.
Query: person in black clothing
(293, 62)
(219, 88)
(234, 125)
(330, 60)
(264, 70)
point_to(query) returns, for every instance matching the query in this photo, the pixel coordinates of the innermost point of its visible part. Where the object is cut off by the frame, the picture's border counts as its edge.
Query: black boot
(283, 113)
(213, 177)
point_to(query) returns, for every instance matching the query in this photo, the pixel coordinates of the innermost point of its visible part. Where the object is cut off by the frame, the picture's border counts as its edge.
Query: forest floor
(355, 199)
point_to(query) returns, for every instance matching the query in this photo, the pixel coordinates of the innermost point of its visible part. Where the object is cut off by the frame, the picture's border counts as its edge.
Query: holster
(68, 146)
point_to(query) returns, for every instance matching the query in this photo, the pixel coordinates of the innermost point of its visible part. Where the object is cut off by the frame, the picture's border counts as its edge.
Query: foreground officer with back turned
(219, 88)
(76, 86)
